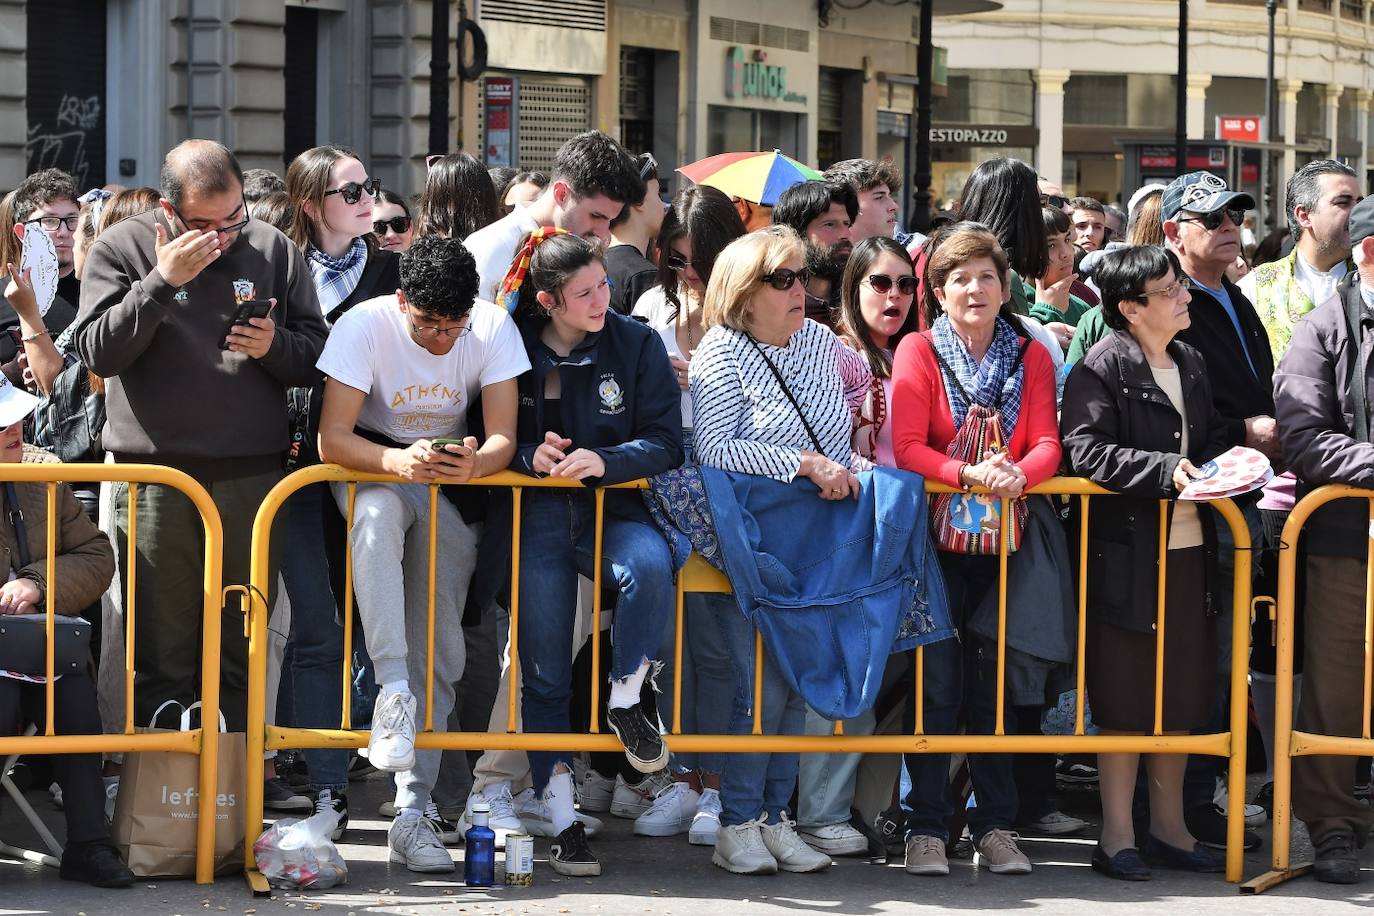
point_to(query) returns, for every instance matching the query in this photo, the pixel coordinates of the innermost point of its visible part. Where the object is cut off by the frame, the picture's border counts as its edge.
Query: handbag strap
(787, 391)
(16, 516)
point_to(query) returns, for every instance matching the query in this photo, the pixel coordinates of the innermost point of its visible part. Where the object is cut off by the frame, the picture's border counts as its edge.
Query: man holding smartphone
(402, 375)
(158, 299)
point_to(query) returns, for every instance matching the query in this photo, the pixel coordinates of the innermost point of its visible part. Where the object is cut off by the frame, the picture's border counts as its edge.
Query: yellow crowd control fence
(203, 742)
(697, 576)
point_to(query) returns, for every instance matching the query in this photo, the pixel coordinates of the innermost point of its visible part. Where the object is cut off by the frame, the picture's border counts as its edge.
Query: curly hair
(439, 277)
(40, 189)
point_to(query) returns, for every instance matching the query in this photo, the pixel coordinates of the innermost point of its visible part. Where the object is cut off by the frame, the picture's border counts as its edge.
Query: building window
(732, 130)
(830, 117)
(637, 98)
(300, 115)
(66, 93)
(1095, 99)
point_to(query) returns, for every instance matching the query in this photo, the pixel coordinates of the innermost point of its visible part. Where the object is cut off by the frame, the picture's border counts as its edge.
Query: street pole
(925, 75)
(438, 78)
(1270, 112)
(1181, 97)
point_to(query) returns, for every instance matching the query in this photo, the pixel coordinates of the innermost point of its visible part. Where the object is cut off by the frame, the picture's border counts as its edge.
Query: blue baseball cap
(1202, 192)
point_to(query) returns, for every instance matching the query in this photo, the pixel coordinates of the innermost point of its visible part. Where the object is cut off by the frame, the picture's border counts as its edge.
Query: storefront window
(735, 130)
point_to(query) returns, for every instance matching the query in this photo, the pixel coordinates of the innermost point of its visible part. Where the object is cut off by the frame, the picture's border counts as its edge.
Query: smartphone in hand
(441, 445)
(250, 308)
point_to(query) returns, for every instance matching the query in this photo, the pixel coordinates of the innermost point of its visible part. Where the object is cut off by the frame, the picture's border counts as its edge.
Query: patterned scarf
(990, 383)
(508, 294)
(336, 278)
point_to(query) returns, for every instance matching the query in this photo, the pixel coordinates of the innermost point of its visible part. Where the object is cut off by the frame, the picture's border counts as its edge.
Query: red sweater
(922, 427)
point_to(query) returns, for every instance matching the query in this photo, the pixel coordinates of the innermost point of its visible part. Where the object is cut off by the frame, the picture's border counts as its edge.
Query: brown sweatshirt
(173, 396)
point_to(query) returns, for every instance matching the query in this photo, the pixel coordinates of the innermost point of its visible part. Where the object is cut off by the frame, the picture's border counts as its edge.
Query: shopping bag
(156, 813)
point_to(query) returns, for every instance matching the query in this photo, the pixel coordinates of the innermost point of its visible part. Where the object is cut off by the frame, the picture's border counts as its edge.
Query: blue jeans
(316, 635)
(756, 784)
(557, 541)
(961, 685)
(708, 677)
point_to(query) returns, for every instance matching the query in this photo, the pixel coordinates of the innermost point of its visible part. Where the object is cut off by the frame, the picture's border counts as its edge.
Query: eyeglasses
(429, 332)
(1212, 221)
(882, 283)
(1056, 201)
(648, 165)
(224, 230)
(397, 224)
(1171, 290)
(51, 223)
(677, 263)
(783, 278)
(352, 192)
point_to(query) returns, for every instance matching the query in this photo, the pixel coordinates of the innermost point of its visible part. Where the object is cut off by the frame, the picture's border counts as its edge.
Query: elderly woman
(1137, 415)
(772, 395)
(976, 352)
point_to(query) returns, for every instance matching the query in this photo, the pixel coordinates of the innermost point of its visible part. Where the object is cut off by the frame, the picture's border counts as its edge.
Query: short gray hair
(1305, 189)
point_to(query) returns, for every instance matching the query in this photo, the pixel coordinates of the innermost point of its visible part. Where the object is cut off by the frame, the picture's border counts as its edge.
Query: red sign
(1239, 127)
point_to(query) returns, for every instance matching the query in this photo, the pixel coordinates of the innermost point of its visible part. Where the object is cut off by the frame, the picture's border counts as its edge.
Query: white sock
(391, 687)
(625, 694)
(558, 795)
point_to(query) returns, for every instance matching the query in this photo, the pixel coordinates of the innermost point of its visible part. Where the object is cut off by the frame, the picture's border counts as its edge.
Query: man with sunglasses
(189, 388)
(630, 273)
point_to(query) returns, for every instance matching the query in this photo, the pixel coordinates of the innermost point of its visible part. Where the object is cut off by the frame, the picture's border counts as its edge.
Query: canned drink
(520, 860)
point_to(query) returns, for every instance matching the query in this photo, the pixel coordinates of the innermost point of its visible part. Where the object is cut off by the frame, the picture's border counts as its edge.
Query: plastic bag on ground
(300, 854)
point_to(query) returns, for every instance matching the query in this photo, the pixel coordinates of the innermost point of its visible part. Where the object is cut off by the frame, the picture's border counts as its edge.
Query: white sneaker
(790, 850)
(740, 849)
(1254, 814)
(414, 841)
(835, 839)
(629, 801)
(536, 820)
(502, 820)
(594, 791)
(671, 813)
(391, 745)
(1056, 823)
(706, 822)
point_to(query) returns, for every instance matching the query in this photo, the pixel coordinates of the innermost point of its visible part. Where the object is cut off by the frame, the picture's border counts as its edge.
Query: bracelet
(32, 337)
(965, 486)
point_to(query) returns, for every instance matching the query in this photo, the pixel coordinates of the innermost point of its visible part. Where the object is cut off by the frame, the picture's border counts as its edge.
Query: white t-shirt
(411, 393)
(653, 307)
(493, 248)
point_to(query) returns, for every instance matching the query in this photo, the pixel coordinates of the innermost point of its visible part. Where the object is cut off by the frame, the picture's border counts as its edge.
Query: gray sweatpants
(390, 539)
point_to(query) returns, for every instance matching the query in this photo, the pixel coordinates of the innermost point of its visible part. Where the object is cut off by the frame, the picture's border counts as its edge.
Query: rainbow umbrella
(757, 177)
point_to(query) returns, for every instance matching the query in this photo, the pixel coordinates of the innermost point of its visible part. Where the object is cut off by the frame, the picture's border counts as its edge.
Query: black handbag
(24, 637)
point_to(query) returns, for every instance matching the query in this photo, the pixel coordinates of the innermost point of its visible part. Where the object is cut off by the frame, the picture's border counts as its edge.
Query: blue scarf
(336, 278)
(990, 383)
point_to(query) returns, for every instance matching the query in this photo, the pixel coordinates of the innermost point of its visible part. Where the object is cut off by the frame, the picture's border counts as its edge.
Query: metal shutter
(66, 90)
(565, 14)
(552, 109)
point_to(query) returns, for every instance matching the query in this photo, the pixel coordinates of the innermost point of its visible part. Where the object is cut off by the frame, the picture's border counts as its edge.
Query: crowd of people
(770, 369)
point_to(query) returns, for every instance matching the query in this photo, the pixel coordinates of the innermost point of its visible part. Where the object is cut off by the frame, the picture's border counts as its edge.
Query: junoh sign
(1240, 127)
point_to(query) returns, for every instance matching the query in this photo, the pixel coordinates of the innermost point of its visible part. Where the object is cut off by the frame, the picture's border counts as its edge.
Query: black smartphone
(440, 445)
(251, 308)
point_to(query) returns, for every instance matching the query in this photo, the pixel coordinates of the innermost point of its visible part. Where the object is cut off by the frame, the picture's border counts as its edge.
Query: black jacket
(381, 277)
(1237, 392)
(1121, 431)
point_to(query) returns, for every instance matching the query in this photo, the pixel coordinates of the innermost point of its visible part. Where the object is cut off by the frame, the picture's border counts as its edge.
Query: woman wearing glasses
(1138, 416)
(598, 406)
(391, 222)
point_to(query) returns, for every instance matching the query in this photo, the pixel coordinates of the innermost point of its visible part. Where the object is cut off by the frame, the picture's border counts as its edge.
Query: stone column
(1332, 94)
(1362, 99)
(1049, 118)
(1197, 105)
(1288, 105)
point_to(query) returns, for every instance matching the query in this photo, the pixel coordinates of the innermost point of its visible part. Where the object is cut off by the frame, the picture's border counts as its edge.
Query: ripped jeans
(557, 539)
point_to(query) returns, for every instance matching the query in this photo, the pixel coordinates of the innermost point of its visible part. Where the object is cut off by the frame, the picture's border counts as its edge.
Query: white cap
(15, 404)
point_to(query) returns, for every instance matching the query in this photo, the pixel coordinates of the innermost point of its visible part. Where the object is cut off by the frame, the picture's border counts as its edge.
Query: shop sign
(1162, 157)
(751, 76)
(500, 120)
(983, 135)
(1240, 127)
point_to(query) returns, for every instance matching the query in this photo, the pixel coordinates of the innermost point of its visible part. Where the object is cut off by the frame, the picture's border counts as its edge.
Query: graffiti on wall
(63, 143)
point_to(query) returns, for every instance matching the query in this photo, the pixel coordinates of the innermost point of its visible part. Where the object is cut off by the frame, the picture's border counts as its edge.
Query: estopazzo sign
(751, 76)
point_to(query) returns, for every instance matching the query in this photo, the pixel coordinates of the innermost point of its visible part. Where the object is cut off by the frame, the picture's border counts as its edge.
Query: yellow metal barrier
(1288, 741)
(697, 576)
(203, 742)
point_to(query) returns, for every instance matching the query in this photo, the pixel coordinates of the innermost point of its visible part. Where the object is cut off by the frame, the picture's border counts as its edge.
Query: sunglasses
(882, 283)
(397, 224)
(1056, 201)
(352, 192)
(1212, 221)
(677, 263)
(782, 278)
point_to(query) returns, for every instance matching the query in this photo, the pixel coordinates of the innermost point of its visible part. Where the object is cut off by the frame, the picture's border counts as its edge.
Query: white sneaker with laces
(415, 842)
(1254, 814)
(594, 791)
(706, 822)
(671, 813)
(503, 820)
(536, 820)
(1056, 823)
(631, 801)
(391, 745)
(835, 839)
(740, 849)
(790, 850)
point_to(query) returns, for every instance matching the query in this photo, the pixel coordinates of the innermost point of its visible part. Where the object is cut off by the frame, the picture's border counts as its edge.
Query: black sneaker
(293, 771)
(359, 767)
(644, 746)
(570, 855)
(1076, 769)
(1337, 860)
(447, 830)
(278, 796)
(96, 864)
(1208, 826)
(1265, 799)
(326, 800)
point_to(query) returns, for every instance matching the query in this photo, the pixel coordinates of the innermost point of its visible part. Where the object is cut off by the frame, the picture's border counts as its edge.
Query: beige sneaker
(997, 851)
(925, 855)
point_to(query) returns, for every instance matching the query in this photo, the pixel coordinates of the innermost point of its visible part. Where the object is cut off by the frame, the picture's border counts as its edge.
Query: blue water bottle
(479, 857)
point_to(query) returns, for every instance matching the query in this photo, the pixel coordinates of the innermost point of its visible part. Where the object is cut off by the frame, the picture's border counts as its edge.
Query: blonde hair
(739, 270)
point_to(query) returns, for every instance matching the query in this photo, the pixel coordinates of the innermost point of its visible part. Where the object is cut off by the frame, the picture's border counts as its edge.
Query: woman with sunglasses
(458, 198)
(391, 222)
(598, 406)
(773, 394)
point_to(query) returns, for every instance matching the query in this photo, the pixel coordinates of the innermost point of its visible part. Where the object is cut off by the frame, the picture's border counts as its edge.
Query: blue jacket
(835, 587)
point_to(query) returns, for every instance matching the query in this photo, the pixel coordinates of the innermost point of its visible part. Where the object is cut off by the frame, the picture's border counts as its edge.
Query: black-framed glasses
(1171, 290)
(882, 284)
(677, 263)
(1212, 221)
(783, 278)
(51, 223)
(225, 230)
(352, 192)
(648, 166)
(430, 332)
(397, 224)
